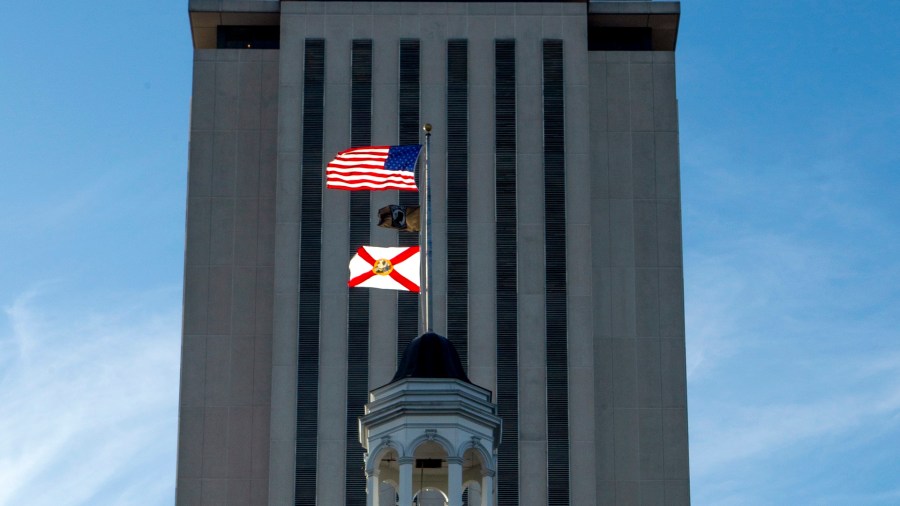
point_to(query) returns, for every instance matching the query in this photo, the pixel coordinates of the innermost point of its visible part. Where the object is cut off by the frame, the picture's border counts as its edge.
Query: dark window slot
(248, 37)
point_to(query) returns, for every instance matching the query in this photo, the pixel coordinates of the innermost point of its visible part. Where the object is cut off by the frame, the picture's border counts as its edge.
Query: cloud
(733, 431)
(791, 339)
(757, 288)
(785, 248)
(89, 402)
(884, 497)
(791, 305)
(24, 213)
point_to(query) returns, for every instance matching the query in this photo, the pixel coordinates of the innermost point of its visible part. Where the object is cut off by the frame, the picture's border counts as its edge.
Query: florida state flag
(388, 268)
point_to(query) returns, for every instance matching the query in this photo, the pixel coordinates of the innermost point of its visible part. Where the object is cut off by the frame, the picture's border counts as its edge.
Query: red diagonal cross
(396, 276)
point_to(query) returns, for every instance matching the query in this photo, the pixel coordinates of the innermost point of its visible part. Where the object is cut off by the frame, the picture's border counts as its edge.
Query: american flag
(374, 168)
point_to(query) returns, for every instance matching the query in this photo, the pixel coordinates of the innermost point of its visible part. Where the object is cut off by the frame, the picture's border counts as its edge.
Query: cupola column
(373, 485)
(487, 487)
(454, 481)
(405, 481)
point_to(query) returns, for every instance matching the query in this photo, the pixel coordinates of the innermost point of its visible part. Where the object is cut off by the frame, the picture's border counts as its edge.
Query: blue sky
(791, 204)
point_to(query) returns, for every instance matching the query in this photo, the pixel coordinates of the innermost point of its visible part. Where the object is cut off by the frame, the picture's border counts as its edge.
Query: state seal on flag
(383, 267)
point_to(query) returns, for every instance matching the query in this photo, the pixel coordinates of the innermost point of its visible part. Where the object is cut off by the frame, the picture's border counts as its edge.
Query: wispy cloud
(791, 262)
(885, 497)
(796, 245)
(53, 209)
(731, 431)
(89, 403)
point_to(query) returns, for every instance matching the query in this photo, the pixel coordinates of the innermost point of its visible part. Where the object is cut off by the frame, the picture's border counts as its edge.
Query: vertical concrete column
(373, 488)
(454, 481)
(405, 482)
(487, 487)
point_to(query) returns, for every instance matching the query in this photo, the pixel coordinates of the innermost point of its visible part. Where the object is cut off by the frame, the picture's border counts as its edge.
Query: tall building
(557, 242)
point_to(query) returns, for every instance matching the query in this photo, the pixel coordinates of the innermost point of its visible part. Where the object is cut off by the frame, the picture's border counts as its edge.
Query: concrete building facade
(557, 242)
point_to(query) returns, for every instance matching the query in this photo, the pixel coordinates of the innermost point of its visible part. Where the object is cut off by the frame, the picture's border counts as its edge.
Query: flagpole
(425, 307)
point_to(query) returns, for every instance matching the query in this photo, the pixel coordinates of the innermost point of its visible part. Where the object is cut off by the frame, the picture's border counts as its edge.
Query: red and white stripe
(363, 169)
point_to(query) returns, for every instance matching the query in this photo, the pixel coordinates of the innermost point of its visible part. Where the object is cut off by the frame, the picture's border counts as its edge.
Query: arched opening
(472, 466)
(388, 469)
(430, 475)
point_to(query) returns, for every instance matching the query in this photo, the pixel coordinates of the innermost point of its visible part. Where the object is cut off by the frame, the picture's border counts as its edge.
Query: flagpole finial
(427, 128)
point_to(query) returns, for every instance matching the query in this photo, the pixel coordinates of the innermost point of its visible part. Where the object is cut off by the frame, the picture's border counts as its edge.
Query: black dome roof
(430, 356)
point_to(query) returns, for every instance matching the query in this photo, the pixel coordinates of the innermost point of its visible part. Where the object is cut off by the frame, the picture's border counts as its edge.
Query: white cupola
(430, 434)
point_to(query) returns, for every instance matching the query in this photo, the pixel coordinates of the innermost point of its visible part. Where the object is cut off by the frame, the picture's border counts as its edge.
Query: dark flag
(399, 217)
